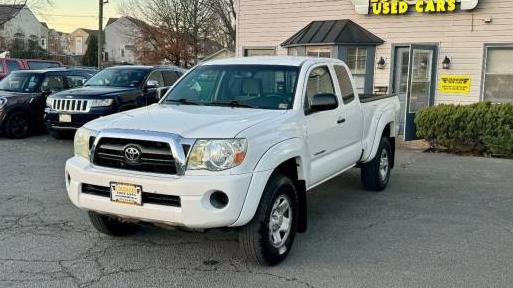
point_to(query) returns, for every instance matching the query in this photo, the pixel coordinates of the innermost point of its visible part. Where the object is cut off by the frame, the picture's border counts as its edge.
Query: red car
(8, 65)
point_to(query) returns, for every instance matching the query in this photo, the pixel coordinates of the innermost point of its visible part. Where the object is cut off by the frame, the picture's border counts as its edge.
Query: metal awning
(333, 32)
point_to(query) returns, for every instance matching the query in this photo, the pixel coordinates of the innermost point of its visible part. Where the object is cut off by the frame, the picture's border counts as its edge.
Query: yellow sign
(455, 84)
(396, 7)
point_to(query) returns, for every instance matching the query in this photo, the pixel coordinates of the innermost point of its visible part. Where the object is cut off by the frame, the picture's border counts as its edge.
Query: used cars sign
(395, 7)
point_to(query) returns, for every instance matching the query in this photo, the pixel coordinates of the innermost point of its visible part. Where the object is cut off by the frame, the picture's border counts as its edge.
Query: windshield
(20, 82)
(247, 86)
(118, 78)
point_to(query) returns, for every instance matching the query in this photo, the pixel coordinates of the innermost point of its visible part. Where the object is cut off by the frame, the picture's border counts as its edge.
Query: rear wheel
(17, 125)
(111, 226)
(376, 174)
(268, 238)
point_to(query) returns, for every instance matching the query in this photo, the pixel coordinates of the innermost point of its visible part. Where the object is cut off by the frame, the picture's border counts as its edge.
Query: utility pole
(100, 34)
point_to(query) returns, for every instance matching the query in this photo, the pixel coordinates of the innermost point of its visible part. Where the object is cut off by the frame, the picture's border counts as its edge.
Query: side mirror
(47, 93)
(323, 102)
(152, 84)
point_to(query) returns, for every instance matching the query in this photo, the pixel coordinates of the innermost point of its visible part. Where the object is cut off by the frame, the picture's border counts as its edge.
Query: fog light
(219, 200)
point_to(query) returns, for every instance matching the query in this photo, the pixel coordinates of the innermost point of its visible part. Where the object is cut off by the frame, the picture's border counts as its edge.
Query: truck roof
(272, 60)
(144, 67)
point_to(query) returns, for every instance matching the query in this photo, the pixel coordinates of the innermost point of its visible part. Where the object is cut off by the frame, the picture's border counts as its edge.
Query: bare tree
(226, 11)
(162, 25)
(199, 18)
(180, 31)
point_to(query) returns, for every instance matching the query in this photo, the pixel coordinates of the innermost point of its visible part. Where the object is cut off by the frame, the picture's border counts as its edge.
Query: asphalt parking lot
(445, 221)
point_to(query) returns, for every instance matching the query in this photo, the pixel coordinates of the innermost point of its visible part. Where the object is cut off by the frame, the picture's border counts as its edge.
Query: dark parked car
(23, 97)
(112, 90)
(8, 65)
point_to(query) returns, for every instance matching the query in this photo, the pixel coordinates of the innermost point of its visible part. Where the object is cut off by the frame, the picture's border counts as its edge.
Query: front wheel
(17, 125)
(376, 174)
(268, 238)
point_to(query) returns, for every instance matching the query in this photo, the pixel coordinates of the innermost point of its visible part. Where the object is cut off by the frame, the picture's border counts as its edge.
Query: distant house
(20, 28)
(59, 43)
(125, 43)
(121, 35)
(79, 40)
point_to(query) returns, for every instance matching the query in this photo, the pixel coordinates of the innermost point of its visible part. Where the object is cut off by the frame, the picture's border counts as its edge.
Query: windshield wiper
(182, 101)
(233, 104)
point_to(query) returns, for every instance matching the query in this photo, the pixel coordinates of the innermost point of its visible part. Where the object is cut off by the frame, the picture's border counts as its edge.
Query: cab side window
(170, 77)
(75, 81)
(319, 82)
(156, 76)
(344, 81)
(13, 65)
(53, 84)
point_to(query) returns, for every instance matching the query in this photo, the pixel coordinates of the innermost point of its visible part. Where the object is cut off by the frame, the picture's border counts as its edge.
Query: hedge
(481, 128)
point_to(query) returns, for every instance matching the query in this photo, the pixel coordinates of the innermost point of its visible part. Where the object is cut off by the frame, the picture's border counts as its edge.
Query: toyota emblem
(132, 154)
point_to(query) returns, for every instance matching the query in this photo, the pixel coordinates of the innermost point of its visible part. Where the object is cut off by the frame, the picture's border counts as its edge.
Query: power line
(70, 16)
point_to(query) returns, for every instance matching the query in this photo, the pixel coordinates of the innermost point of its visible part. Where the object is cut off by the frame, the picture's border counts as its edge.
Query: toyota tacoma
(234, 143)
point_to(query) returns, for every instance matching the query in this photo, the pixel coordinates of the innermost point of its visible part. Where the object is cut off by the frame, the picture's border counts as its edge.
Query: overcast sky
(68, 15)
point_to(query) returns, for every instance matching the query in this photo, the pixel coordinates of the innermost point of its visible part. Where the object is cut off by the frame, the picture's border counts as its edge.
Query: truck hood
(187, 121)
(93, 91)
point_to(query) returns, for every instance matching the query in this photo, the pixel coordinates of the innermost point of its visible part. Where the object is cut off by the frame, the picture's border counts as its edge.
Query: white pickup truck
(234, 143)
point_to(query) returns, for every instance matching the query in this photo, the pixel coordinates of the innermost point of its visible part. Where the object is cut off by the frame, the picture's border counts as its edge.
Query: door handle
(341, 121)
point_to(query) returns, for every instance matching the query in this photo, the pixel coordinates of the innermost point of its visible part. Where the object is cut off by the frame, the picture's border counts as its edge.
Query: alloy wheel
(384, 165)
(280, 223)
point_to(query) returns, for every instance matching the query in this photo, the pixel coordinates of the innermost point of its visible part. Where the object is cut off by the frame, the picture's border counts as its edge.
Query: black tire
(18, 125)
(255, 240)
(111, 226)
(373, 177)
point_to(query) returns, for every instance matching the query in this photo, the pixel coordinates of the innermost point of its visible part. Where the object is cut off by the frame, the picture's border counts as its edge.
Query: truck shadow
(335, 209)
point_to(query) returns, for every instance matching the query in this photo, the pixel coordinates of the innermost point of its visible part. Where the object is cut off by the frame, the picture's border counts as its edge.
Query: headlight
(102, 102)
(3, 101)
(49, 102)
(82, 138)
(217, 155)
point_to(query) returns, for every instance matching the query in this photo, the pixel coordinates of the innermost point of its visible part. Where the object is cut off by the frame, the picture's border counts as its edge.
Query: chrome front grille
(162, 153)
(71, 105)
(156, 157)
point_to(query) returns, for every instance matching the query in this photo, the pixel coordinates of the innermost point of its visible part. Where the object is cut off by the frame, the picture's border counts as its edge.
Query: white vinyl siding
(461, 35)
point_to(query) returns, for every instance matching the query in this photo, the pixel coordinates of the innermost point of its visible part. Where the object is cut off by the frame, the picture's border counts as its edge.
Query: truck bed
(374, 107)
(366, 98)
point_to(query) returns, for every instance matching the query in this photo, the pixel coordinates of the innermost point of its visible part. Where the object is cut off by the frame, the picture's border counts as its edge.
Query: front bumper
(195, 212)
(77, 119)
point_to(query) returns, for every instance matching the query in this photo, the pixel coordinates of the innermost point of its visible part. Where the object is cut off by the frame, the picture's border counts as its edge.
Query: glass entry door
(400, 85)
(421, 85)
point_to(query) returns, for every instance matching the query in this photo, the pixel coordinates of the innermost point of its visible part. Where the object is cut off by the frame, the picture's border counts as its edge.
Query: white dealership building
(426, 51)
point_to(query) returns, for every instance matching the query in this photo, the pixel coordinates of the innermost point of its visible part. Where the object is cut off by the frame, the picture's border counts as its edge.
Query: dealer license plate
(64, 118)
(126, 194)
